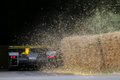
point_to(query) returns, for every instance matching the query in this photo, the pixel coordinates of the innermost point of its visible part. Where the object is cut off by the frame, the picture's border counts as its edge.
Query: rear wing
(28, 49)
(23, 47)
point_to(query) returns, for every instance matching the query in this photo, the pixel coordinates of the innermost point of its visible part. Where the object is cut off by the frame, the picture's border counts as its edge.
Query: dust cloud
(81, 40)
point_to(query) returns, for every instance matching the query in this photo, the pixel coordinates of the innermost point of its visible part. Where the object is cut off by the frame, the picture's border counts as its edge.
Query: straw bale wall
(92, 51)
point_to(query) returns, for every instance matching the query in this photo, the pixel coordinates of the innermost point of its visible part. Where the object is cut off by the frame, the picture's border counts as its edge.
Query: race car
(30, 56)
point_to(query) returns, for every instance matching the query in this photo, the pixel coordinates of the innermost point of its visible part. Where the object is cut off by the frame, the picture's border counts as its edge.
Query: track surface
(38, 75)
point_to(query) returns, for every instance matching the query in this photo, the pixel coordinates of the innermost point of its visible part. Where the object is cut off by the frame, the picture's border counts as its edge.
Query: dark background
(19, 16)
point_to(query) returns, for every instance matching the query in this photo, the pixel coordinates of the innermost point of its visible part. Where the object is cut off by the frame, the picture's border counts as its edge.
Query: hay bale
(110, 43)
(81, 51)
(92, 52)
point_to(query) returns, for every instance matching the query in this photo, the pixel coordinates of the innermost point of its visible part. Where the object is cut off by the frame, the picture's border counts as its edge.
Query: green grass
(93, 71)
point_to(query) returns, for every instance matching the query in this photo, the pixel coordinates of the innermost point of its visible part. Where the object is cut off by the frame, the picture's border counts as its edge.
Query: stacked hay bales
(92, 52)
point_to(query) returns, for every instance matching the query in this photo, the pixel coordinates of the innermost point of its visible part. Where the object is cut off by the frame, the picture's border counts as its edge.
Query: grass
(80, 71)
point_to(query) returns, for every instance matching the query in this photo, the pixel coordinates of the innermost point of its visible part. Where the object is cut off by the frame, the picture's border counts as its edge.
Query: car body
(30, 56)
